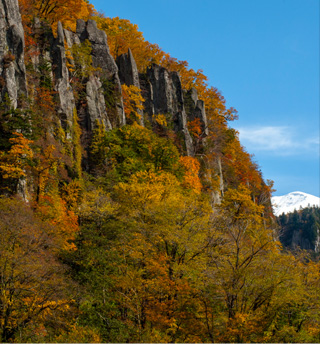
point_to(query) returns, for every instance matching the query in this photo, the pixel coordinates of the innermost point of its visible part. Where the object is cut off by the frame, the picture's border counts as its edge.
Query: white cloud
(279, 140)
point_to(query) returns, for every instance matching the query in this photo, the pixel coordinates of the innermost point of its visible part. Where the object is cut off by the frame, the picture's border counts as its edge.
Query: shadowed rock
(164, 96)
(195, 109)
(128, 74)
(12, 68)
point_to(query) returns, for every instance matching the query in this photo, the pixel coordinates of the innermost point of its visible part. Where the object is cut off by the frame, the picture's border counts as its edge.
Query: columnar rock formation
(128, 73)
(102, 59)
(195, 109)
(103, 83)
(12, 68)
(100, 97)
(164, 96)
(61, 79)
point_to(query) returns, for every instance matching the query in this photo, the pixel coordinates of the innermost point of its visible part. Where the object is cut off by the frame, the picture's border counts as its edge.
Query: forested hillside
(129, 210)
(301, 229)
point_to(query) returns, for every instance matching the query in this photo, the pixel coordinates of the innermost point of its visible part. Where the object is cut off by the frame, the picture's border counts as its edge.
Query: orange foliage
(122, 34)
(44, 99)
(53, 209)
(191, 177)
(194, 127)
(241, 168)
(66, 11)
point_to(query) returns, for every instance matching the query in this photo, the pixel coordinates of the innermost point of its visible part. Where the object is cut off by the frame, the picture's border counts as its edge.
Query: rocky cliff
(128, 74)
(164, 95)
(87, 81)
(12, 68)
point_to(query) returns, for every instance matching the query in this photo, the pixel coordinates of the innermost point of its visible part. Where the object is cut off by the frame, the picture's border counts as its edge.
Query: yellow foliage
(71, 194)
(47, 164)
(160, 119)
(145, 187)
(14, 162)
(79, 334)
(132, 101)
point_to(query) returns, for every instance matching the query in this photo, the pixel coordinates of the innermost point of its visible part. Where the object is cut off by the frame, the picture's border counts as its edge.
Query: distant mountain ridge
(293, 201)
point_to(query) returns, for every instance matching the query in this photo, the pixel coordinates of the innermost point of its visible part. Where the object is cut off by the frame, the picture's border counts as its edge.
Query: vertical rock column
(108, 76)
(61, 81)
(195, 109)
(12, 68)
(164, 96)
(128, 74)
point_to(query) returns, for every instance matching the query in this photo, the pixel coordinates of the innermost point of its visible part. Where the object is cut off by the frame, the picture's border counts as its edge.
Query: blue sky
(263, 55)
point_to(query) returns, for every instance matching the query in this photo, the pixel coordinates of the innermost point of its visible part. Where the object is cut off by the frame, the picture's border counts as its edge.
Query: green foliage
(303, 224)
(150, 259)
(45, 74)
(12, 120)
(79, 63)
(81, 66)
(112, 96)
(77, 154)
(127, 150)
(93, 263)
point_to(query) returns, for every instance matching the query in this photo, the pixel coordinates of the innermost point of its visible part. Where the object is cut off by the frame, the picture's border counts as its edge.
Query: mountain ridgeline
(129, 210)
(298, 217)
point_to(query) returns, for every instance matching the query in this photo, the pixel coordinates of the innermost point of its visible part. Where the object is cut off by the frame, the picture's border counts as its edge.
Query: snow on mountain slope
(293, 200)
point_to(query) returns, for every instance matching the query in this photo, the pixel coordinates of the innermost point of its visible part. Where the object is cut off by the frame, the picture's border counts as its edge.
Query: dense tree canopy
(112, 233)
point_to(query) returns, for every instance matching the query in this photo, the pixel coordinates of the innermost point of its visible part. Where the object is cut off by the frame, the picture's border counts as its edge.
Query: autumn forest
(129, 210)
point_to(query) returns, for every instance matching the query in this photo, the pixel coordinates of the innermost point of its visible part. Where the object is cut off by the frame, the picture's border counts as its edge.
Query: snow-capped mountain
(293, 200)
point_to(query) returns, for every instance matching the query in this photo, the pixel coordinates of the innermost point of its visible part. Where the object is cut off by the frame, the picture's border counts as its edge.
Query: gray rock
(128, 71)
(129, 75)
(101, 58)
(61, 79)
(96, 104)
(12, 68)
(164, 96)
(195, 109)
(317, 243)
(71, 38)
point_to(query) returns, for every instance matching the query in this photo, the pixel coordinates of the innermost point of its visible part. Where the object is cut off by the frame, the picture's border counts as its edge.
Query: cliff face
(164, 95)
(12, 68)
(128, 74)
(61, 79)
(91, 91)
(93, 106)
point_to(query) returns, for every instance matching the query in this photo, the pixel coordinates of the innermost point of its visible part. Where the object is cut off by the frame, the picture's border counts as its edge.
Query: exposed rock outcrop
(61, 80)
(128, 71)
(195, 109)
(164, 96)
(101, 98)
(129, 75)
(105, 82)
(96, 106)
(12, 68)
(102, 59)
